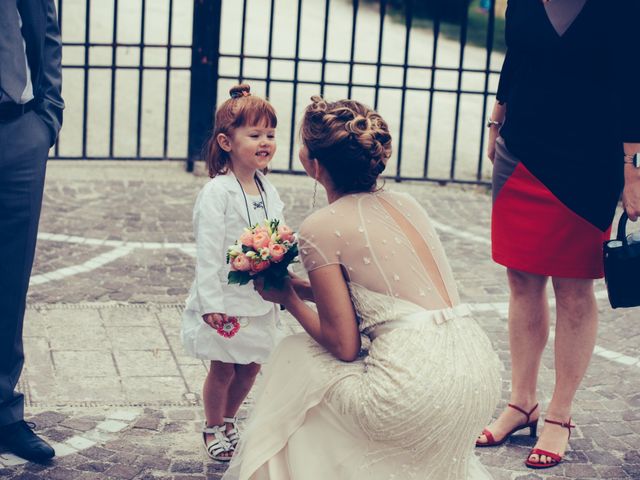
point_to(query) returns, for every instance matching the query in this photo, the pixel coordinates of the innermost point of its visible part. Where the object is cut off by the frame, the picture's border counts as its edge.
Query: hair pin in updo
(240, 93)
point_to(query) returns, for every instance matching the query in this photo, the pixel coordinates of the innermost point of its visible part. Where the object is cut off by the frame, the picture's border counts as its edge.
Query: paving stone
(148, 423)
(79, 424)
(186, 466)
(125, 472)
(97, 453)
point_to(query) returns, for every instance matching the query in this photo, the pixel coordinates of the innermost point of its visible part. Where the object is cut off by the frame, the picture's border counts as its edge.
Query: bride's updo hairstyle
(348, 139)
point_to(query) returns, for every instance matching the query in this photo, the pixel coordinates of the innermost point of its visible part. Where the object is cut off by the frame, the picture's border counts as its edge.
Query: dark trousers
(24, 146)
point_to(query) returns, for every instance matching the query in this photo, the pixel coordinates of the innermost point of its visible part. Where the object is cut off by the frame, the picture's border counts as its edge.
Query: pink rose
(261, 240)
(277, 251)
(246, 239)
(261, 229)
(241, 263)
(285, 233)
(258, 265)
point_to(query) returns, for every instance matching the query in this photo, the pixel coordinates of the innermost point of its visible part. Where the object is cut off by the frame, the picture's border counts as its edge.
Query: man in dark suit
(30, 118)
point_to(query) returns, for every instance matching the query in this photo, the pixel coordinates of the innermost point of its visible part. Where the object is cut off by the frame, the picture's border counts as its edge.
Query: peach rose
(258, 265)
(285, 233)
(261, 240)
(241, 263)
(261, 229)
(277, 252)
(246, 239)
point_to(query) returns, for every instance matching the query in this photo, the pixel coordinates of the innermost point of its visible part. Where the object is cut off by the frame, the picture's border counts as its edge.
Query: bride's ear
(316, 168)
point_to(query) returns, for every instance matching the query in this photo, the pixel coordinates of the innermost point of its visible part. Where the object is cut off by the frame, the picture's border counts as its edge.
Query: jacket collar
(230, 183)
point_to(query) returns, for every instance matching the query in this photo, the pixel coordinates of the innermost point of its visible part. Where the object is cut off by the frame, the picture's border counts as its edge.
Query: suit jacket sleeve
(50, 103)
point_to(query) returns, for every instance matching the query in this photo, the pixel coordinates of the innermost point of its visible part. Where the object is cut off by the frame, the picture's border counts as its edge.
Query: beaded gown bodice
(385, 244)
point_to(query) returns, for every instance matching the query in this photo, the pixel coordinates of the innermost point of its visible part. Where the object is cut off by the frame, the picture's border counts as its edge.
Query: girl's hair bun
(241, 90)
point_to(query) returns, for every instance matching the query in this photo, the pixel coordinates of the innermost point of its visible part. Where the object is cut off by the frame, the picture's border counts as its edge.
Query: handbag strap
(622, 229)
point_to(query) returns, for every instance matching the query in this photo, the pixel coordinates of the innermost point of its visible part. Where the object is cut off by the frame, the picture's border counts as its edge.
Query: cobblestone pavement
(106, 380)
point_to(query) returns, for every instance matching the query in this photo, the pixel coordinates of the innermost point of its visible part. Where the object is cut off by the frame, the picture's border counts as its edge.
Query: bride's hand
(302, 287)
(276, 295)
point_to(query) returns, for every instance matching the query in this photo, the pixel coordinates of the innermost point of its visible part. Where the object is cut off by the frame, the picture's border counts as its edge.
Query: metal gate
(141, 78)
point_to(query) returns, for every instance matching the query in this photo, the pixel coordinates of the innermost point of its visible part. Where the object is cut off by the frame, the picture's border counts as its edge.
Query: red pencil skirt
(532, 231)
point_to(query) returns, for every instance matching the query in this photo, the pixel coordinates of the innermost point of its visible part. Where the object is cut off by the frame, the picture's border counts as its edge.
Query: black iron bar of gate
(408, 16)
(383, 12)
(325, 39)
(85, 105)
(352, 54)
(140, 78)
(456, 122)
(204, 74)
(432, 89)
(167, 86)
(487, 67)
(270, 47)
(114, 60)
(294, 97)
(243, 33)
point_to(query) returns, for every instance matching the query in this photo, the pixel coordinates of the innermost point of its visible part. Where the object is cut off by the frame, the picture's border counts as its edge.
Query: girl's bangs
(253, 113)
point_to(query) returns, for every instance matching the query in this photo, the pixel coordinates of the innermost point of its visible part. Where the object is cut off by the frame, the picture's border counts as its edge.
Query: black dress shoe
(20, 440)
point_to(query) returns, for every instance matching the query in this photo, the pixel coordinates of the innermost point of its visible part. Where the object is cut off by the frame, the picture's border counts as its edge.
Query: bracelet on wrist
(491, 123)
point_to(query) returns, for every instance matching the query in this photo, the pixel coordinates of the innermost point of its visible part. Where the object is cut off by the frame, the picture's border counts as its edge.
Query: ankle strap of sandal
(568, 425)
(523, 411)
(212, 430)
(233, 420)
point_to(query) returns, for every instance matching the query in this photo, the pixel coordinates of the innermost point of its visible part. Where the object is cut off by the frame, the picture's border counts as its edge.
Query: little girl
(231, 325)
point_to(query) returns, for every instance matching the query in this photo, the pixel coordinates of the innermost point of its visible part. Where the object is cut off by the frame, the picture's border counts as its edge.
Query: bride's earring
(315, 193)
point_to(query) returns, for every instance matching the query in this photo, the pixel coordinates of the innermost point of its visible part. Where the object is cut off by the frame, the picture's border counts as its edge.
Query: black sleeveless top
(573, 98)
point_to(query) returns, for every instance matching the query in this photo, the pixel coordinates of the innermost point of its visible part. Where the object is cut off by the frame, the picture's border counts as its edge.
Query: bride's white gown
(412, 406)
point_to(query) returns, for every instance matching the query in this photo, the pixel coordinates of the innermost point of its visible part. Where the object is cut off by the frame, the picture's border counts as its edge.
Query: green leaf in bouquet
(240, 278)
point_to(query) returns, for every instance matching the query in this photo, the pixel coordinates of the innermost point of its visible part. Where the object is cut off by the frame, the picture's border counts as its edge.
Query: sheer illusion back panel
(385, 243)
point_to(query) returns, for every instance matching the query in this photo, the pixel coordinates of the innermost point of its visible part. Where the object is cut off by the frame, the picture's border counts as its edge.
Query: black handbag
(622, 268)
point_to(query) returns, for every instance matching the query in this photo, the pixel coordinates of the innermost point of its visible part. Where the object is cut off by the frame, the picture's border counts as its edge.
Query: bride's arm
(334, 326)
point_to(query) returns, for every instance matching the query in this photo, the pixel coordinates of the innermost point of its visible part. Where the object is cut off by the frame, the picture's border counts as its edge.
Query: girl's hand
(281, 296)
(214, 320)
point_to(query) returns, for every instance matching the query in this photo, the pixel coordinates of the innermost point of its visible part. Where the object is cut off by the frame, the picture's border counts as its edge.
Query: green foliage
(451, 16)
(447, 10)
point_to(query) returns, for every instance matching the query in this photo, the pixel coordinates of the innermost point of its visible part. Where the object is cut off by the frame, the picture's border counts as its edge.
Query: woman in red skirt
(564, 136)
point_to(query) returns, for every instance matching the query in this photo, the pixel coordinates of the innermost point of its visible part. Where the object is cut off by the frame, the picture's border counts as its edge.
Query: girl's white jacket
(219, 218)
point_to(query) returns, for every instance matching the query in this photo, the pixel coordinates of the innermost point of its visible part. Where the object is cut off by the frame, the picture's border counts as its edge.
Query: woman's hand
(214, 320)
(276, 295)
(494, 132)
(631, 192)
(497, 115)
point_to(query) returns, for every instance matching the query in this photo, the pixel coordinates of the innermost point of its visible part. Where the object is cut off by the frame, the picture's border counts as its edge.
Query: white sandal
(220, 444)
(234, 434)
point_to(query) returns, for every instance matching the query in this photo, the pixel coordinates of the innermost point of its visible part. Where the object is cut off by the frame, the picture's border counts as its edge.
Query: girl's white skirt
(253, 343)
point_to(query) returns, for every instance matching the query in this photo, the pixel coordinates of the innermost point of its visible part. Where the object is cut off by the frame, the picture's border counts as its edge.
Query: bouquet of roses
(262, 251)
